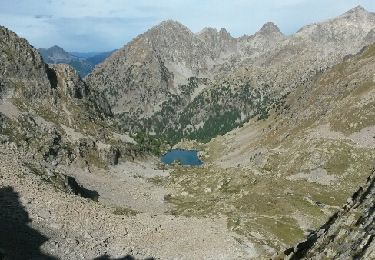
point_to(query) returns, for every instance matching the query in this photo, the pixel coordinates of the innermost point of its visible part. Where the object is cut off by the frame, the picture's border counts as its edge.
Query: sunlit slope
(280, 177)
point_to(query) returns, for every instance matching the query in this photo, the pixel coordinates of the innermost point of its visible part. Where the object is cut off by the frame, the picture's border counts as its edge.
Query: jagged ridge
(151, 76)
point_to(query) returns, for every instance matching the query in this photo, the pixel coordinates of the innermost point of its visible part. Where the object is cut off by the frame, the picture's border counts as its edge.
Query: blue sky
(100, 25)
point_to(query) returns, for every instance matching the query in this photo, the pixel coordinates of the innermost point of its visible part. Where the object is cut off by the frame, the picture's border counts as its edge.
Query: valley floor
(125, 185)
(43, 221)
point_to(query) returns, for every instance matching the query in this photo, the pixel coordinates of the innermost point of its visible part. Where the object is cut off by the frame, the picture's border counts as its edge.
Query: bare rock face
(219, 43)
(22, 70)
(69, 82)
(349, 234)
(139, 77)
(134, 73)
(348, 30)
(175, 43)
(26, 78)
(370, 36)
(263, 41)
(70, 85)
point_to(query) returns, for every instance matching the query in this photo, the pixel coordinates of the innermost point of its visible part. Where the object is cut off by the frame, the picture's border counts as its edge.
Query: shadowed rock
(17, 239)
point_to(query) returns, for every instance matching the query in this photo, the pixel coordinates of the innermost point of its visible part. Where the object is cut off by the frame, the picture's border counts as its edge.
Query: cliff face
(22, 70)
(26, 79)
(71, 90)
(348, 234)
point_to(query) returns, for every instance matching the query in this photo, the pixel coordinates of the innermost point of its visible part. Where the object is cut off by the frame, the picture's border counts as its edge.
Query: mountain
(287, 120)
(83, 63)
(197, 86)
(284, 126)
(57, 137)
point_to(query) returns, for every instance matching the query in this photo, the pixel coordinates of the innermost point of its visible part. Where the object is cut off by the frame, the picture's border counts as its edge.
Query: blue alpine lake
(185, 157)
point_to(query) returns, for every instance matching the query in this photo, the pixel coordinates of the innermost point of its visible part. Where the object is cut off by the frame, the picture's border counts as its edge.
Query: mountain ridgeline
(178, 84)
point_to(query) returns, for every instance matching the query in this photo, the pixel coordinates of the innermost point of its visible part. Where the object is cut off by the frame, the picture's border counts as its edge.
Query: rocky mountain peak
(207, 30)
(56, 48)
(172, 23)
(166, 36)
(224, 32)
(349, 27)
(170, 54)
(55, 54)
(270, 28)
(356, 13)
(169, 26)
(357, 10)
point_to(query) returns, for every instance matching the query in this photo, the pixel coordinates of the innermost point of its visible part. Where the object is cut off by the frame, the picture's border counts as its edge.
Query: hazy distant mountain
(84, 63)
(84, 55)
(88, 55)
(99, 57)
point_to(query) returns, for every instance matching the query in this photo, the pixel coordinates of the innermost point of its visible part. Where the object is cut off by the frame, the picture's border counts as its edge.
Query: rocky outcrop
(69, 82)
(70, 85)
(77, 189)
(218, 43)
(348, 234)
(22, 71)
(25, 77)
(113, 155)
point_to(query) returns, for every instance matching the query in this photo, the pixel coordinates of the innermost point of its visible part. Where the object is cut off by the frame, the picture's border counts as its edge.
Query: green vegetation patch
(125, 211)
